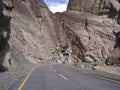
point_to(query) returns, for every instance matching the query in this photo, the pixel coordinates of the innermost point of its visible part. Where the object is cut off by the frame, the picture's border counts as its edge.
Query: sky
(57, 5)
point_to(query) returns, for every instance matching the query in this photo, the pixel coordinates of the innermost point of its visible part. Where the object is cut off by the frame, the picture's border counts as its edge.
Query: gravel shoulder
(9, 77)
(98, 72)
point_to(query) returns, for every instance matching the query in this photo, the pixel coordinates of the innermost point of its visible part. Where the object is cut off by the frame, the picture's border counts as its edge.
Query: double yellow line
(25, 80)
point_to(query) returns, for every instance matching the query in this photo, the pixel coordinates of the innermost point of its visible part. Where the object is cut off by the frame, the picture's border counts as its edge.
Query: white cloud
(57, 5)
(58, 8)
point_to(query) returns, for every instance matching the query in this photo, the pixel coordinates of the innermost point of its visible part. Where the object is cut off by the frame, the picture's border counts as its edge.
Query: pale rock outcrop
(32, 34)
(92, 30)
(98, 7)
(87, 32)
(30, 26)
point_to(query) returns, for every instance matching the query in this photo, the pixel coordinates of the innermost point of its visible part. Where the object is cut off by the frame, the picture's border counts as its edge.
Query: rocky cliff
(92, 30)
(32, 29)
(99, 7)
(89, 31)
(27, 37)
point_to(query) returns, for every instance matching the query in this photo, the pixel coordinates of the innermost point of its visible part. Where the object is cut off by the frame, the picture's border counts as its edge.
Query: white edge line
(63, 76)
(54, 70)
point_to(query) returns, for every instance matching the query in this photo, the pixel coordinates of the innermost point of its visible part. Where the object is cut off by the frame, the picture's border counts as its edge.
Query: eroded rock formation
(5, 30)
(30, 29)
(98, 7)
(32, 35)
(87, 32)
(96, 26)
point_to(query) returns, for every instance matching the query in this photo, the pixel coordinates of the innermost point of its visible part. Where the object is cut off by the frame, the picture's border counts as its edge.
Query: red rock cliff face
(32, 31)
(98, 7)
(87, 32)
(91, 35)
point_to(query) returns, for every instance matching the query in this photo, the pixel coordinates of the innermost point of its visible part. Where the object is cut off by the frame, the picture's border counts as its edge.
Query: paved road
(59, 77)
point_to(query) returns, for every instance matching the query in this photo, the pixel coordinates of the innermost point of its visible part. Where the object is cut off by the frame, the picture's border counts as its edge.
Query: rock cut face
(84, 32)
(91, 29)
(5, 30)
(98, 7)
(32, 31)
(27, 32)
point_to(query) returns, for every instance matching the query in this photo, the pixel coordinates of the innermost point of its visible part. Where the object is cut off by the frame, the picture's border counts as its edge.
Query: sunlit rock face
(99, 7)
(92, 30)
(32, 36)
(88, 31)
(27, 32)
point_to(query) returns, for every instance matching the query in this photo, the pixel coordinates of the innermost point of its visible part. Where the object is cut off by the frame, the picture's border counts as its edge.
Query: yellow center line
(25, 80)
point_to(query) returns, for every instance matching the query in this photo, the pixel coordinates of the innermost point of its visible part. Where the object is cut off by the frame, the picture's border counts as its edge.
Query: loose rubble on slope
(97, 27)
(27, 38)
(86, 35)
(92, 33)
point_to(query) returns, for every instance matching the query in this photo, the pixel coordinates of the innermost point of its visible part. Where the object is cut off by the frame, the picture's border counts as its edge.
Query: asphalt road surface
(59, 77)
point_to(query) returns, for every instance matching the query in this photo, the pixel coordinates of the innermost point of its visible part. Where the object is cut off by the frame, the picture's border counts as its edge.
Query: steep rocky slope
(32, 30)
(29, 33)
(87, 38)
(92, 30)
(87, 32)
(98, 7)
(27, 37)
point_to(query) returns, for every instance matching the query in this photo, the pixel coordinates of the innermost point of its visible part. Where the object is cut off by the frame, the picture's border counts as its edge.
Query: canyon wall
(99, 7)
(33, 34)
(92, 29)
(27, 32)
(88, 31)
